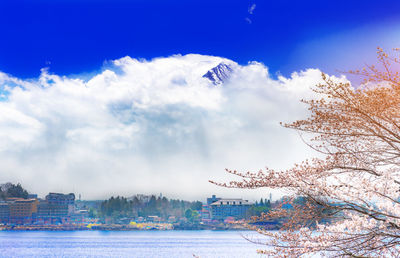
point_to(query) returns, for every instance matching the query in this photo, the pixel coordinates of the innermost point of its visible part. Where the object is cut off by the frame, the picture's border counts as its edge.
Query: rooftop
(231, 202)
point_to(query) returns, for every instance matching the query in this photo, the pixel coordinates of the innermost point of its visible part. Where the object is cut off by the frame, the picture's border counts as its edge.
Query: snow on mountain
(219, 74)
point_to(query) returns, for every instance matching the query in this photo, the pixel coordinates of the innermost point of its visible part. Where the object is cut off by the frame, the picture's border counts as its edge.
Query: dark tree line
(10, 190)
(156, 206)
(264, 206)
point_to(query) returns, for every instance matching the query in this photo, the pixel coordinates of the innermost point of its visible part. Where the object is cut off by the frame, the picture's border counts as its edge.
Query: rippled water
(127, 244)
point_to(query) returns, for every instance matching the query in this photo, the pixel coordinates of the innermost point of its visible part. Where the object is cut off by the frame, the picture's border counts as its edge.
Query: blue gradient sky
(74, 37)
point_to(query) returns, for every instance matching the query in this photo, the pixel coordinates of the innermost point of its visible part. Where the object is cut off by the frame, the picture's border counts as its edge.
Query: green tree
(116, 207)
(188, 214)
(92, 213)
(196, 205)
(16, 191)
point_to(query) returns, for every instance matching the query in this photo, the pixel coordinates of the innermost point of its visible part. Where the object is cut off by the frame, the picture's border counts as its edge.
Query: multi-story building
(205, 213)
(141, 197)
(4, 212)
(224, 208)
(57, 207)
(60, 199)
(212, 199)
(43, 209)
(22, 211)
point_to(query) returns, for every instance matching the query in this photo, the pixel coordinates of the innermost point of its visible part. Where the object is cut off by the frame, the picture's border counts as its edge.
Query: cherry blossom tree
(355, 186)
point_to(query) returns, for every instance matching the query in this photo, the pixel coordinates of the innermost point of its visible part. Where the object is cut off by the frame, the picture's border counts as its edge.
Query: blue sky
(123, 108)
(73, 37)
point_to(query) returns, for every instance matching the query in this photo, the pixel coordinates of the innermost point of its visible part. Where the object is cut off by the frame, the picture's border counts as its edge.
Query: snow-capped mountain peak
(219, 74)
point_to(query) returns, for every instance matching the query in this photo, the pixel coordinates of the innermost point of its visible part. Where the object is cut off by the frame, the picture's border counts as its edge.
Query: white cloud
(149, 127)
(252, 8)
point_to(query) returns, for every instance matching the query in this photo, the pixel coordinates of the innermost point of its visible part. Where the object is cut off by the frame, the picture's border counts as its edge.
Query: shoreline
(116, 228)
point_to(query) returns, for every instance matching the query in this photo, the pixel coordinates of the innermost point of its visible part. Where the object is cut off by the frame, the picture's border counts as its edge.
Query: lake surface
(128, 244)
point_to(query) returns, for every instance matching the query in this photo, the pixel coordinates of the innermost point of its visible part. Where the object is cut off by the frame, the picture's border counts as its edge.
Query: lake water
(128, 244)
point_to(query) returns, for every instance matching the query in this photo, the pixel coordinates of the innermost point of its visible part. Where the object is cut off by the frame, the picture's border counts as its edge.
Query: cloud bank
(149, 127)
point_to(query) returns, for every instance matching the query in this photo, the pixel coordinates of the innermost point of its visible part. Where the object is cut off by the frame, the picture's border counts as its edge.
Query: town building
(154, 219)
(4, 212)
(22, 211)
(56, 208)
(79, 216)
(223, 208)
(143, 198)
(212, 199)
(205, 213)
(172, 219)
